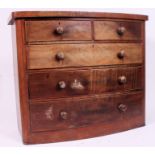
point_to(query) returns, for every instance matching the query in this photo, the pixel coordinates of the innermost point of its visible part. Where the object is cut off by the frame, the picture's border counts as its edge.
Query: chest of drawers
(78, 74)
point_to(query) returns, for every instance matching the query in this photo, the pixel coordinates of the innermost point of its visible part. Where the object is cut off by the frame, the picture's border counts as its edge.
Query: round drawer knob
(122, 80)
(62, 85)
(121, 30)
(60, 56)
(59, 30)
(64, 115)
(122, 107)
(121, 54)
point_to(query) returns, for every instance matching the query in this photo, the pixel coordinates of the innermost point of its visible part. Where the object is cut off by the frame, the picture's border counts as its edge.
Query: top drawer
(57, 30)
(117, 30)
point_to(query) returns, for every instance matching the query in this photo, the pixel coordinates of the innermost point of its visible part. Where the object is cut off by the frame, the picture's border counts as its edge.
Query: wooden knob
(77, 85)
(122, 80)
(122, 107)
(59, 30)
(121, 54)
(64, 115)
(62, 85)
(60, 56)
(121, 30)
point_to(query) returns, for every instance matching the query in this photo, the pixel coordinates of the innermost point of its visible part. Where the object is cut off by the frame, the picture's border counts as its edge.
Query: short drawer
(117, 30)
(59, 83)
(117, 79)
(78, 55)
(57, 30)
(68, 113)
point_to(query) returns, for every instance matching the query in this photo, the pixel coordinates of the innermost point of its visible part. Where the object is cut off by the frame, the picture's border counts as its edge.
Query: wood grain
(69, 83)
(45, 85)
(44, 30)
(84, 112)
(107, 30)
(106, 80)
(79, 55)
(21, 83)
(77, 14)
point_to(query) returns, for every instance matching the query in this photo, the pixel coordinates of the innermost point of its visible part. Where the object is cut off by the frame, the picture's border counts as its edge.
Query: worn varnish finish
(80, 74)
(84, 112)
(47, 30)
(46, 85)
(78, 55)
(109, 30)
(72, 14)
(109, 80)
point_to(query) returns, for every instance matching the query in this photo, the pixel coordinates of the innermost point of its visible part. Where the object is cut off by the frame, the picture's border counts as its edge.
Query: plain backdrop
(9, 134)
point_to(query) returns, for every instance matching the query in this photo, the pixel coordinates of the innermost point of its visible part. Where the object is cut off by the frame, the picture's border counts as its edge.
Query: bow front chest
(78, 74)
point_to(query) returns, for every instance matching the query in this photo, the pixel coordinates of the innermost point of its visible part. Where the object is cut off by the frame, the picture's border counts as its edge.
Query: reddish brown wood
(21, 81)
(46, 84)
(85, 132)
(108, 80)
(144, 69)
(83, 82)
(47, 30)
(77, 14)
(84, 112)
(109, 30)
(79, 55)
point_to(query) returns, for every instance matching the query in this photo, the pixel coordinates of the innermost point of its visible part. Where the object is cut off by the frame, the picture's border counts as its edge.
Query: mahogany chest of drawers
(79, 74)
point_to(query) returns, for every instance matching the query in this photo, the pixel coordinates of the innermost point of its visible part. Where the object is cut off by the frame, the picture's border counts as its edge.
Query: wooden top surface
(48, 14)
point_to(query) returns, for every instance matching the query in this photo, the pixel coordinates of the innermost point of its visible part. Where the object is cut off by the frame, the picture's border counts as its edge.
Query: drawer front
(109, 30)
(69, 113)
(59, 84)
(74, 55)
(117, 79)
(57, 30)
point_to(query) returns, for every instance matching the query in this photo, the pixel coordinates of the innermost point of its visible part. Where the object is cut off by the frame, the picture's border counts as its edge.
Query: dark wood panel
(109, 80)
(67, 114)
(79, 55)
(52, 30)
(109, 30)
(59, 84)
(44, 85)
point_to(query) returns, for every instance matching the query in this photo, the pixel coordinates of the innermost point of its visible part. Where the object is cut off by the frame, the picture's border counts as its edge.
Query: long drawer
(68, 83)
(70, 113)
(78, 55)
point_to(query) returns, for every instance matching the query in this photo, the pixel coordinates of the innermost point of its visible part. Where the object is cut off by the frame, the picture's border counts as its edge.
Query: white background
(9, 135)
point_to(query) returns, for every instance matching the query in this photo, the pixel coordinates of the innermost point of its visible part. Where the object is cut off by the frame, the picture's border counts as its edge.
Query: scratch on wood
(49, 113)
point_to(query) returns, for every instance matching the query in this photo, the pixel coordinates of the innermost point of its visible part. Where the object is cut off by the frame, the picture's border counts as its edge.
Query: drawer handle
(77, 85)
(64, 115)
(121, 55)
(122, 107)
(60, 56)
(122, 80)
(121, 30)
(62, 85)
(59, 30)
